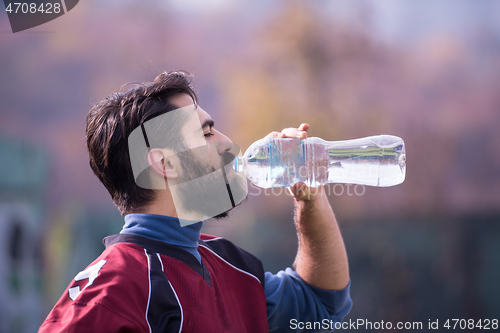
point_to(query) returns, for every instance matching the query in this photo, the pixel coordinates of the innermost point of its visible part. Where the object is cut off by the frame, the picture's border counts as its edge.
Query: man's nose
(223, 144)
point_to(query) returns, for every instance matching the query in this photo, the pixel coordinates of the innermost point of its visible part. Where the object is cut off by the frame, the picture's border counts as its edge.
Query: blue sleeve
(291, 300)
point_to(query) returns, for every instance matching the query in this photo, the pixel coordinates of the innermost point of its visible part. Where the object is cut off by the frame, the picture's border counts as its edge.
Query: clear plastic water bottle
(376, 160)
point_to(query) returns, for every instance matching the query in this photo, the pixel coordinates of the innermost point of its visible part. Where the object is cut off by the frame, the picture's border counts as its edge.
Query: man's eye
(208, 135)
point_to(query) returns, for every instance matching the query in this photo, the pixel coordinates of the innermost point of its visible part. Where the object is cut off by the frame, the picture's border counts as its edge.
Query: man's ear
(162, 164)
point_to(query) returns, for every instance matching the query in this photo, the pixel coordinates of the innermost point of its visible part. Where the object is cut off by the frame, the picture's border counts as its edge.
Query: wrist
(317, 209)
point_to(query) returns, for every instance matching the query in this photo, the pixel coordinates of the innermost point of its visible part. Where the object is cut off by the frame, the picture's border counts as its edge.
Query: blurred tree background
(427, 71)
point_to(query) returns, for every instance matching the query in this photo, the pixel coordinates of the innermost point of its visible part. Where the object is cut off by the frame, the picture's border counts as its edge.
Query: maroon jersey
(142, 285)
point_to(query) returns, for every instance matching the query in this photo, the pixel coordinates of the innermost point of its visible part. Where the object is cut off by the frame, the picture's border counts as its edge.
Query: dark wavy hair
(109, 124)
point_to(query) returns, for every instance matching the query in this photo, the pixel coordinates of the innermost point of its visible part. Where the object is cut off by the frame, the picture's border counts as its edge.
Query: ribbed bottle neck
(239, 162)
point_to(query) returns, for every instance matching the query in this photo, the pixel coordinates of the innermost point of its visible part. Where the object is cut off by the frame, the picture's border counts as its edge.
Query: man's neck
(184, 234)
(163, 204)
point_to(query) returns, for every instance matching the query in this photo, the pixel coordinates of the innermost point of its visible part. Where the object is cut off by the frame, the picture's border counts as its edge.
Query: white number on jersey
(90, 273)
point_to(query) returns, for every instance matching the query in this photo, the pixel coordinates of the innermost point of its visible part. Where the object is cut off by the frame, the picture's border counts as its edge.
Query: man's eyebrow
(208, 122)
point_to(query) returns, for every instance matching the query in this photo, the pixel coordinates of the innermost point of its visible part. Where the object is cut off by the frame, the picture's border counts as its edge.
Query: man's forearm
(321, 257)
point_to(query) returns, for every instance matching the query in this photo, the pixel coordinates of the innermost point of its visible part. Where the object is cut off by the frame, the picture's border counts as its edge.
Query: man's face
(207, 183)
(200, 132)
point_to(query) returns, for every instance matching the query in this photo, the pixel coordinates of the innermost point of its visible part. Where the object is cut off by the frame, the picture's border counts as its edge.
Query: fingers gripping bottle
(376, 161)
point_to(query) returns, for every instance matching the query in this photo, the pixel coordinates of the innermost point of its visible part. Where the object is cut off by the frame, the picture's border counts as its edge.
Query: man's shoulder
(123, 253)
(111, 270)
(106, 294)
(220, 244)
(232, 254)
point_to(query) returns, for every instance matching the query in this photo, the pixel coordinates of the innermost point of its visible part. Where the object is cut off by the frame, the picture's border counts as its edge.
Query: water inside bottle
(284, 162)
(376, 161)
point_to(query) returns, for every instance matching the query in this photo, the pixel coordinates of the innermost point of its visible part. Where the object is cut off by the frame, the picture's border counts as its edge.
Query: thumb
(299, 190)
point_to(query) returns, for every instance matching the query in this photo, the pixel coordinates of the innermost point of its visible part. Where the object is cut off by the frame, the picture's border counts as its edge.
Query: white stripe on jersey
(176, 297)
(149, 294)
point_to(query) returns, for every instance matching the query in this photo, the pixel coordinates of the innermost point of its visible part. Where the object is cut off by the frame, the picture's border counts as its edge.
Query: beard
(201, 190)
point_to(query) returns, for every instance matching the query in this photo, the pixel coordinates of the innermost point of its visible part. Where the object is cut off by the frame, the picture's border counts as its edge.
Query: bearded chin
(200, 197)
(222, 216)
